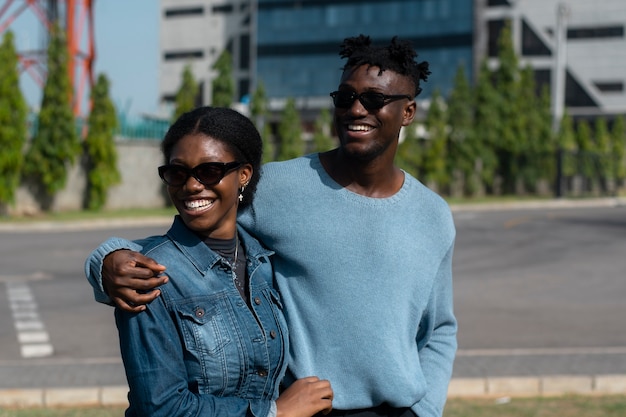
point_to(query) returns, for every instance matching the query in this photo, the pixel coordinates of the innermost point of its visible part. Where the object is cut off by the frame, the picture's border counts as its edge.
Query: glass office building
(298, 41)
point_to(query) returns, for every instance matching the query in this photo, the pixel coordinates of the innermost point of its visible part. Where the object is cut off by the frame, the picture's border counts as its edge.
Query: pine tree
(260, 117)
(409, 154)
(463, 146)
(223, 85)
(510, 132)
(56, 143)
(618, 142)
(603, 152)
(585, 148)
(568, 146)
(13, 119)
(187, 94)
(102, 170)
(290, 132)
(322, 140)
(434, 159)
(534, 154)
(486, 126)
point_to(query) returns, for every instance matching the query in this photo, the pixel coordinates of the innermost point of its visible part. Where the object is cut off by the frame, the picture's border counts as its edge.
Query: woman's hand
(305, 398)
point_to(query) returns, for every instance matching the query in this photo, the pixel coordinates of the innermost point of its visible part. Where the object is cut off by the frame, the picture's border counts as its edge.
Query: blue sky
(127, 51)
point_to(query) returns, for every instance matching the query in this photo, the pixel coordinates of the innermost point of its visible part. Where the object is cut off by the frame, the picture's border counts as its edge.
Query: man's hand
(130, 278)
(305, 398)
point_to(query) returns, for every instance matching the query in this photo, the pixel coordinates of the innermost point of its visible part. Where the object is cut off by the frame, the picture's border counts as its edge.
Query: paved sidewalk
(495, 373)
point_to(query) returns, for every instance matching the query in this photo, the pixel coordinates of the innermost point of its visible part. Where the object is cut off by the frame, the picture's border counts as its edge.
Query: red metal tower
(76, 18)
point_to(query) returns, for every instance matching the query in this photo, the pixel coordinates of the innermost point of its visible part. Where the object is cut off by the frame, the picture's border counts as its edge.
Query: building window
(170, 56)
(494, 29)
(225, 8)
(244, 89)
(188, 11)
(532, 45)
(610, 86)
(495, 3)
(575, 94)
(595, 32)
(244, 49)
(542, 80)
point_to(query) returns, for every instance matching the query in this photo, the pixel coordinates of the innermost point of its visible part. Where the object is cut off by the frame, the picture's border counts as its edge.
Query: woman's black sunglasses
(208, 173)
(369, 100)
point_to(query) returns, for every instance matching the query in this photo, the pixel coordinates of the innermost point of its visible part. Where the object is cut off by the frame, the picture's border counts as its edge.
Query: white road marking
(31, 332)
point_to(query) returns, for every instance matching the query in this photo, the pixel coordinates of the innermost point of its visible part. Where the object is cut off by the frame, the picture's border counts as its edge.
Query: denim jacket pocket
(203, 325)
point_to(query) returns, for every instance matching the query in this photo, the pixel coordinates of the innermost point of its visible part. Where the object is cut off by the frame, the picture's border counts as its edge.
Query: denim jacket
(198, 349)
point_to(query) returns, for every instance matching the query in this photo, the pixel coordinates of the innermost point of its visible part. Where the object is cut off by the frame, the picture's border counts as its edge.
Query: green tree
(13, 119)
(223, 85)
(535, 151)
(322, 139)
(486, 126)
(511, 123)
(567, 146)
(56, 143)
(603, 152)
(585, 149)
(290, 132)
(409, 155)
(259, 114)
(618, 142)
(187, 94)
(434, 154)
(102, 170)
(463, 146)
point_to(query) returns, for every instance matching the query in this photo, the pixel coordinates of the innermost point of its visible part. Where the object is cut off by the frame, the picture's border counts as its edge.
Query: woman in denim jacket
(215, 343)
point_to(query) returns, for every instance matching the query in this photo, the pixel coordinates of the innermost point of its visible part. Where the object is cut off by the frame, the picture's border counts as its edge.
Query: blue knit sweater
(366, 283)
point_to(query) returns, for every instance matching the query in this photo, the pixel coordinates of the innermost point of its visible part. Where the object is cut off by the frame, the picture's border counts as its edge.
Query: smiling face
(210, 211)
(366, 134)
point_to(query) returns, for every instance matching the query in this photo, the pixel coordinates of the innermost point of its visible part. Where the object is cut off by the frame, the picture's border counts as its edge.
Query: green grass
(64, 412)
(566, 406)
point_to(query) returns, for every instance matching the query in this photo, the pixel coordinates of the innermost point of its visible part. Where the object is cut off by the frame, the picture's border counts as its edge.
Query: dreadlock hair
(227, 126)
(399, 56)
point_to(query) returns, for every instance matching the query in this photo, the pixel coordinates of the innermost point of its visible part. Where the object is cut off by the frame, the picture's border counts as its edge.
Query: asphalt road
(538, 281)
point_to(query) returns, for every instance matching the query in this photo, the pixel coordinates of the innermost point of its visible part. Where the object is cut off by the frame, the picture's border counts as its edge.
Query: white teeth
(197, 204)
(361, 128)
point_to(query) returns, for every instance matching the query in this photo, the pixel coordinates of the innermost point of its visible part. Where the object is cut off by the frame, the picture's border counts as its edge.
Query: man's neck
(377, 178)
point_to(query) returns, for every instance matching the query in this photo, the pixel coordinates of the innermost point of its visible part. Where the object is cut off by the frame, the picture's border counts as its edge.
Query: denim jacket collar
(198, 252)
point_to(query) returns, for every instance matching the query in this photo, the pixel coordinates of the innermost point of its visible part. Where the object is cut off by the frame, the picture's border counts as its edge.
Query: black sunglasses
(369, 100)
(208, 173)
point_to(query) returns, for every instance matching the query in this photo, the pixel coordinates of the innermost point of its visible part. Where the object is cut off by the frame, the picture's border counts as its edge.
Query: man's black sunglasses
(369, 100)
(209, 173)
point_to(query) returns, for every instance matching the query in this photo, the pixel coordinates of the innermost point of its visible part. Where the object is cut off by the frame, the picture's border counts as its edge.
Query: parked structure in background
(75, 17)
(291, 45)
(194, 33)
(594, 48)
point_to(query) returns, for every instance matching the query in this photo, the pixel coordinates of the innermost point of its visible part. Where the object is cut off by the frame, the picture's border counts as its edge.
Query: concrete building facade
(291, 46)
(593, 47)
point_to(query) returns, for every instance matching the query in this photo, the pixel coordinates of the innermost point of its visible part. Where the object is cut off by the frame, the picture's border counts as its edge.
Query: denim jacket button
(261, 372)
(199, 312)
(273, 334)
(257, 301)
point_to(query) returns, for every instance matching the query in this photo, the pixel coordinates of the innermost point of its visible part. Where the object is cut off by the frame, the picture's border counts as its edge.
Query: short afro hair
(399, 56)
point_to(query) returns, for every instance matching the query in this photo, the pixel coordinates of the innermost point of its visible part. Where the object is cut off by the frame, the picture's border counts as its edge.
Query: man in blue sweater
(363, 251)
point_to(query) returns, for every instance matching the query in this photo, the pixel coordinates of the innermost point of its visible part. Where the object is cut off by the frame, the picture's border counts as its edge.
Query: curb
(542, 386)
(65, 397)
(496, 387)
